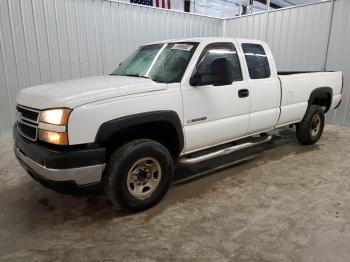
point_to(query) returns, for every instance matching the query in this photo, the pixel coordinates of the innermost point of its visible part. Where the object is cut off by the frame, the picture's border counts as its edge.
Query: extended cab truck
(173, 101)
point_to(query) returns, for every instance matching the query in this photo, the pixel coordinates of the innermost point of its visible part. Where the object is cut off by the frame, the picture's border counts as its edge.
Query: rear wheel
(311, 127)
(138, 174)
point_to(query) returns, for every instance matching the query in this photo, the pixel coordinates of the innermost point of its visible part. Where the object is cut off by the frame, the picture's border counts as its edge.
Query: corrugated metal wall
(338, 57)
(49, 40)
(44, 41)
(310, 37)
(297, 36)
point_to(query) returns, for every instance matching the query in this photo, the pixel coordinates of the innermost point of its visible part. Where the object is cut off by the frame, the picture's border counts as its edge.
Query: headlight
(55, 116)
(53, 126)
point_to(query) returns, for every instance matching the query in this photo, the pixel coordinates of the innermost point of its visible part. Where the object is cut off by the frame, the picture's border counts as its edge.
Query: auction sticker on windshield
(184, 47)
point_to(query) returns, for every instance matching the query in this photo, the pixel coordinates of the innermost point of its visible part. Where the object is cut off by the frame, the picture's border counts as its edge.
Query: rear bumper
(339, 103)
(336, 101)
(78, 167)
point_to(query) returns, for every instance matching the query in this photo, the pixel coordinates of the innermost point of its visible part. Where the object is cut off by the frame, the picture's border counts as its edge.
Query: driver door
(215, 114)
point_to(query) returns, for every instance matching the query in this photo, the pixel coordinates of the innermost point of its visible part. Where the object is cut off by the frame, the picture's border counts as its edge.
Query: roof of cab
(206, 40)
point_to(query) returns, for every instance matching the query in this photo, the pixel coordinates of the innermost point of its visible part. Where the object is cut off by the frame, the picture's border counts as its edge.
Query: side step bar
(225, 151)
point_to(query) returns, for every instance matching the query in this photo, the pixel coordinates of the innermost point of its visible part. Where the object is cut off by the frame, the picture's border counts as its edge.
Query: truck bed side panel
(296, 90)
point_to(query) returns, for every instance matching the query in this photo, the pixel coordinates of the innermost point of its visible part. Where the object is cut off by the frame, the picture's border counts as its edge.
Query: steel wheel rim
(315, 125)
(144, 177)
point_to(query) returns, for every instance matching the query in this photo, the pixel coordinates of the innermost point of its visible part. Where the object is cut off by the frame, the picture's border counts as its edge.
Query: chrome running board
(221, 152)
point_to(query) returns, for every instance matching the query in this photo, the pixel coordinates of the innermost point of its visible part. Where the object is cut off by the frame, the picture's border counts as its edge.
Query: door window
(215, 51)
(258, 65)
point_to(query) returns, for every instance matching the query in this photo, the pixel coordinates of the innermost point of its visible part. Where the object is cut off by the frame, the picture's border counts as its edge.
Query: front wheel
(138, 174)
(311, 127)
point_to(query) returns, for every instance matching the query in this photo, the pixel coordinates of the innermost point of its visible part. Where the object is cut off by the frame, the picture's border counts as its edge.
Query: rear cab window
(257, 62)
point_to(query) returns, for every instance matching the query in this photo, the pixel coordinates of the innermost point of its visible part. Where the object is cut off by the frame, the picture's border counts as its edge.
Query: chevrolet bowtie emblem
(19, 117)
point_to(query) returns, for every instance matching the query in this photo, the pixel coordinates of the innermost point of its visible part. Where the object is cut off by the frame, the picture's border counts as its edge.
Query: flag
(142, 2)
(163, 3)
(155, 3)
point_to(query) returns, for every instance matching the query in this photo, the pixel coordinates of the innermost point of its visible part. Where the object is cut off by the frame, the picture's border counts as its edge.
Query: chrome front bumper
(81, 175)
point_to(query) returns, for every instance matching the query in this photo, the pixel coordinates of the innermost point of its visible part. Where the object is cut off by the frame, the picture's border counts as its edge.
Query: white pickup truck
(172, 101)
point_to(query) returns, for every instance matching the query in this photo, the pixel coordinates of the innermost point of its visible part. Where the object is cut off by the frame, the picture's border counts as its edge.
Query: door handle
(243, 93)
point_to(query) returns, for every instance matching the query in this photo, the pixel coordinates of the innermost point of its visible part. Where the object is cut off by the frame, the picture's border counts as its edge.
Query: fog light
(53, 137)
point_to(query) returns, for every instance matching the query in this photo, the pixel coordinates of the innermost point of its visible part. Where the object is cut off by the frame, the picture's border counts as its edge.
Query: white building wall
(338, 58)
(297, 36)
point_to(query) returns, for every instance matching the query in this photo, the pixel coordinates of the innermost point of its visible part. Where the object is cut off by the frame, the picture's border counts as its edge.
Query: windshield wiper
(158, 81)
(143, 76)
(136, 75)
(132, 75)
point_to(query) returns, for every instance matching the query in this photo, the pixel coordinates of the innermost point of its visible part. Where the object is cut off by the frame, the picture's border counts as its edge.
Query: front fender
(109, 128)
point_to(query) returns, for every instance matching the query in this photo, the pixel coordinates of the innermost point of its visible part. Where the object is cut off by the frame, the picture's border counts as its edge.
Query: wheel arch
(144, 125)
(321, 96)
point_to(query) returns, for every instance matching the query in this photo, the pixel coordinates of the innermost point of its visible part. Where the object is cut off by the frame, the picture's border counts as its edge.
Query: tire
(311, 127)
(138, 174)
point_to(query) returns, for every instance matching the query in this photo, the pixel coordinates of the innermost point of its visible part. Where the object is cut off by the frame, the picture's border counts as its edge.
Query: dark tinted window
(214, 51)
(257, 62)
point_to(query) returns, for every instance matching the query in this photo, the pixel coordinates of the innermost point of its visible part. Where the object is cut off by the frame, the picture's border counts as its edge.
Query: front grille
(28, 114)
(27, 131)
(27, 122)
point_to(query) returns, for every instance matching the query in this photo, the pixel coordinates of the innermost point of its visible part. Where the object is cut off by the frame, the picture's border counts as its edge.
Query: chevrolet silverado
(176, 101)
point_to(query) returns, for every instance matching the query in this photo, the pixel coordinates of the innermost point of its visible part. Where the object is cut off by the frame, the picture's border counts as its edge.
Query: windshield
(160, 62)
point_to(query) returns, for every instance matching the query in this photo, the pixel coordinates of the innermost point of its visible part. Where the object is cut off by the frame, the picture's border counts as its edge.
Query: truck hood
(73, 93)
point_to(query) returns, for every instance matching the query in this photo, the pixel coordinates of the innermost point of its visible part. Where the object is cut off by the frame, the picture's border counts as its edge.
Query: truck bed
(296, 88)
(299, 72)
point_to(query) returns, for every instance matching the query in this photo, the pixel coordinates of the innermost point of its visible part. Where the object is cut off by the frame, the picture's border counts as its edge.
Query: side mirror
(196, 79)
(221, 73)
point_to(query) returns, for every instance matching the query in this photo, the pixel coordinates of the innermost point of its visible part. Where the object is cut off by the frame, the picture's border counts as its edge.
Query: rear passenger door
(263, 84)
